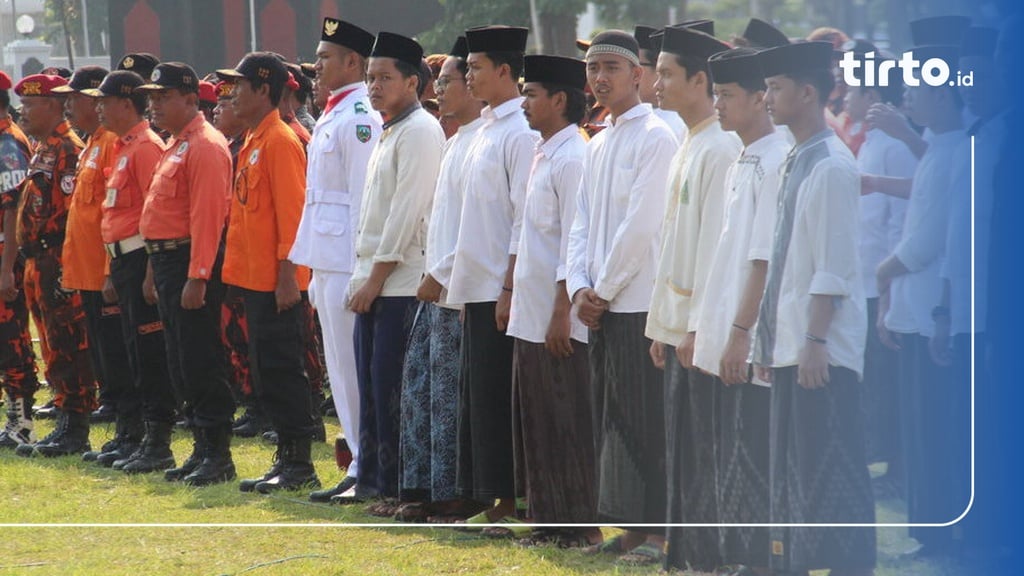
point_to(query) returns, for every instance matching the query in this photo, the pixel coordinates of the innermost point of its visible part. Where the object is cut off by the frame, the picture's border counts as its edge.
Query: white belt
(122, 247)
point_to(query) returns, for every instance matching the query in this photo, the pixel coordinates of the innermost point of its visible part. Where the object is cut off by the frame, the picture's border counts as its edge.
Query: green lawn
(66, 490)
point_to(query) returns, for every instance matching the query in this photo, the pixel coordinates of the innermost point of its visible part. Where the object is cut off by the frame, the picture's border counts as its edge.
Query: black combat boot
(156, 450)
(217, 465)
(297, 470)
(193, 461)
(74, 440)
(127, 439)
(249, 484)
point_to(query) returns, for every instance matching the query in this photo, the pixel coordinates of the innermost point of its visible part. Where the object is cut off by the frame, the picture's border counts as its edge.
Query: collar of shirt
(270, 118)
(193, 125)
(133, 134)
(502, 110)
(61, 130)
(476, 123)
(338, 95)
(700, 126)
(551, 145)
(763, 143)
(97, 134)
(823, 134)
(634, 112)
(402, 115)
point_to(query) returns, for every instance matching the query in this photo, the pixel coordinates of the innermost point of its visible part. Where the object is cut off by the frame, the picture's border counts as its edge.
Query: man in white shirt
(910, 286)
(649, 48)
(400, 181)
(690, 229)
(337, 157)
(430, 380)
(733, 290)
(612, 260)
(494, 185)
(811, 331)
(552, 427)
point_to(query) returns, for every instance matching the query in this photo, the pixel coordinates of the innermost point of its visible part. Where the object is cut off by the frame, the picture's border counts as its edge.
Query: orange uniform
(136, 155)
(189, 198)
(84, 258)
(269, 191)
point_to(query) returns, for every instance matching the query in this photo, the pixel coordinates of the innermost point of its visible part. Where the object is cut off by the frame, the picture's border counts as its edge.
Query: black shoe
(73, 440)
(270, 437)
(192, 462)
(250, 424)
(123, 452)
(29, 450)
(297, 470)
(156, 452)
(48, 411)
(249, 484)
(324, 496)
(128, 433)
(355, 495)
(217, 465)
(105, 413)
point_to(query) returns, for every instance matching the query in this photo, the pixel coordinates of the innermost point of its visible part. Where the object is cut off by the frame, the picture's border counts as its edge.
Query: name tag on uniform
(111, 198)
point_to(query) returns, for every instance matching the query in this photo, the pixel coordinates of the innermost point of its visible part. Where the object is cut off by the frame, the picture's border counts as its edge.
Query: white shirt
(814, 252)
(497, 168)
(615, 238)
(923, 243)
(337, 155)
(443, 232)
(547, 219)
(674, 121)
(748, 228)
(691, 227)
(881, 215)
(400, 183)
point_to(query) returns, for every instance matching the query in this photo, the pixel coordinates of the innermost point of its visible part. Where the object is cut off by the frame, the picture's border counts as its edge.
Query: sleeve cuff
(825, 284)
(283, 250)
(903, 253)
(560, 273)
(387, 258)
(607, 291)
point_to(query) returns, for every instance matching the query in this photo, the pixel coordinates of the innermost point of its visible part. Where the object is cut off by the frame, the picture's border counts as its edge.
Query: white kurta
(748, 228)
(497, 168)
(615, 237)
(814, 253)
(922, 246)
(400, 183)
(881, 215)
(690, 230)
(443, 231)
(547, 220)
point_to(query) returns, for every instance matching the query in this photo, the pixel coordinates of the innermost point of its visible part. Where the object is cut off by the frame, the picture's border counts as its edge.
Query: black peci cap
(460, 49)
(938, 30)
(690, 42)
(497, 39)
(261, 66)
(118, 83)
(947, 53)
(169, 75)
(390, 45)
(348, 35)
(736, 65)
(643, 37)
(761, 34)
(142, 63)
(796, 58)
(84, 78)
(556, 70)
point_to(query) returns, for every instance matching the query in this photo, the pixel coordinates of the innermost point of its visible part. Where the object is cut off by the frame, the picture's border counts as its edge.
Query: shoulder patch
(67, 184)
(360, 108)
(364, 132)
(254, 157)
(182, 148)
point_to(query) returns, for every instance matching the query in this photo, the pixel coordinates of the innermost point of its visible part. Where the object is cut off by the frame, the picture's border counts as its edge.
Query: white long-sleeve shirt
(497, 169)
(547, 219)
(691, 227)
(615, 239)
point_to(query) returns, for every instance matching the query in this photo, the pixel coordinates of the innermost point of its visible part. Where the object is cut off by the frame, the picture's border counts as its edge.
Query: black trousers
(107, 352)
(195, 353)
(276, 349)
(143, 338)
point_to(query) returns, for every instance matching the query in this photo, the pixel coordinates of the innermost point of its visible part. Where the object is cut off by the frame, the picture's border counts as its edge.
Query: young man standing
(692, 224)
(612, 262)
(497, 169)
(732, 295)
(649, 49)
(811, 331)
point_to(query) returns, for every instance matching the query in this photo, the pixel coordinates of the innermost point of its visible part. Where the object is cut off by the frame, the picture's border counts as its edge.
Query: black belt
(157, 246)
(45, 242)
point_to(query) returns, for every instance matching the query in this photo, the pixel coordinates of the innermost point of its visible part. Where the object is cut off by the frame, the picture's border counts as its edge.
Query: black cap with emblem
(118, 83)
(348, 35)
(142, 63)
(168, 75)
(259, 66)
(84, 78)
(389, 45)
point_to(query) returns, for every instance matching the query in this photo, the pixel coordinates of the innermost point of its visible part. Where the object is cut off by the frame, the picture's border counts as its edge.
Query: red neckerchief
(333, 100)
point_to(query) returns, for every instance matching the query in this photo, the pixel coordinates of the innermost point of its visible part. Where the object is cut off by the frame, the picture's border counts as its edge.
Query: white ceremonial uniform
(690, 230)
(400, 183)
(674, 121)
(547, 220)
(615, 239)
(445, 217)
(338, 154)
(497, 169)
(881, 215)
(922, 246)
(748, 230)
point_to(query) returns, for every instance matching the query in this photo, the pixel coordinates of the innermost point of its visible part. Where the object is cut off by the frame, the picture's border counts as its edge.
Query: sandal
(413, 512)
(513, 528)
(383, 509)
(613, 545)
(645, 554)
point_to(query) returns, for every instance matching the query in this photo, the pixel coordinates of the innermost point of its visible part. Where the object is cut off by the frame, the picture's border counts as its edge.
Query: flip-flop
(512, 528)
(645, 554)
(613, 545)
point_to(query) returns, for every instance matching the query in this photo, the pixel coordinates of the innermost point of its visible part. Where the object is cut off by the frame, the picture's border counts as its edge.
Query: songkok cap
(142, 63)
(259, 66)
(5, 81)
(947, 53)
(703, 25)
(389, 45)
(643, 37)
(118, 83)
(735, 65)
(207, 93)
(979, 42)
(83, 78)
(615, 42)
(555, 70)
(796, 58)
(497, 39)
(169, 75)
(938, 30)
(39, 85)
(761, 34)
(460, 49)
(690, 42)
(348, 35)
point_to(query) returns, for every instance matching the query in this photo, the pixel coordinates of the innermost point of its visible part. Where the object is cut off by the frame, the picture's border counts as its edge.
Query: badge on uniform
(67, 184)
(254, 157)
(111, 199)
(360, 108)
(181, 149)
(363, 132)
(95, 152)
(122, 162)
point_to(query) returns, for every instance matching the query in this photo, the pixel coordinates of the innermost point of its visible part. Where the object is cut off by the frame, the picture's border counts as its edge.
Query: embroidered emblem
(155, 77)
(330, 27)
(254, 157)
(363, 132)
(181, 149)
(31, 88)
(122, 162)
(128, 62)
(360, 108)
(67, 184)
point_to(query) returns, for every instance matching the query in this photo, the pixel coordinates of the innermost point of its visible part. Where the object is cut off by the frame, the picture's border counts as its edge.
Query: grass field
(67, 490)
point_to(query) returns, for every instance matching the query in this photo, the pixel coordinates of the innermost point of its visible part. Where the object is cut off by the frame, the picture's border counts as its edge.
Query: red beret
(224, 89)
(207, 93)
(292, 84)
(5, 81)
(39, 85)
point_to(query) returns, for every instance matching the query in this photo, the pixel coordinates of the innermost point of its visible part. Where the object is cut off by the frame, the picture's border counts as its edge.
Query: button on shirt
(338, 155)
(748, 228)
(691, 227)
(923, 244)
(84, 257)
(615, 240)
(400, 183)
(269, 190)
(814, 252)
(136, 155)
(881, 215)
(497, 169)
(544, 241)
(445, 216)
(190, 193)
